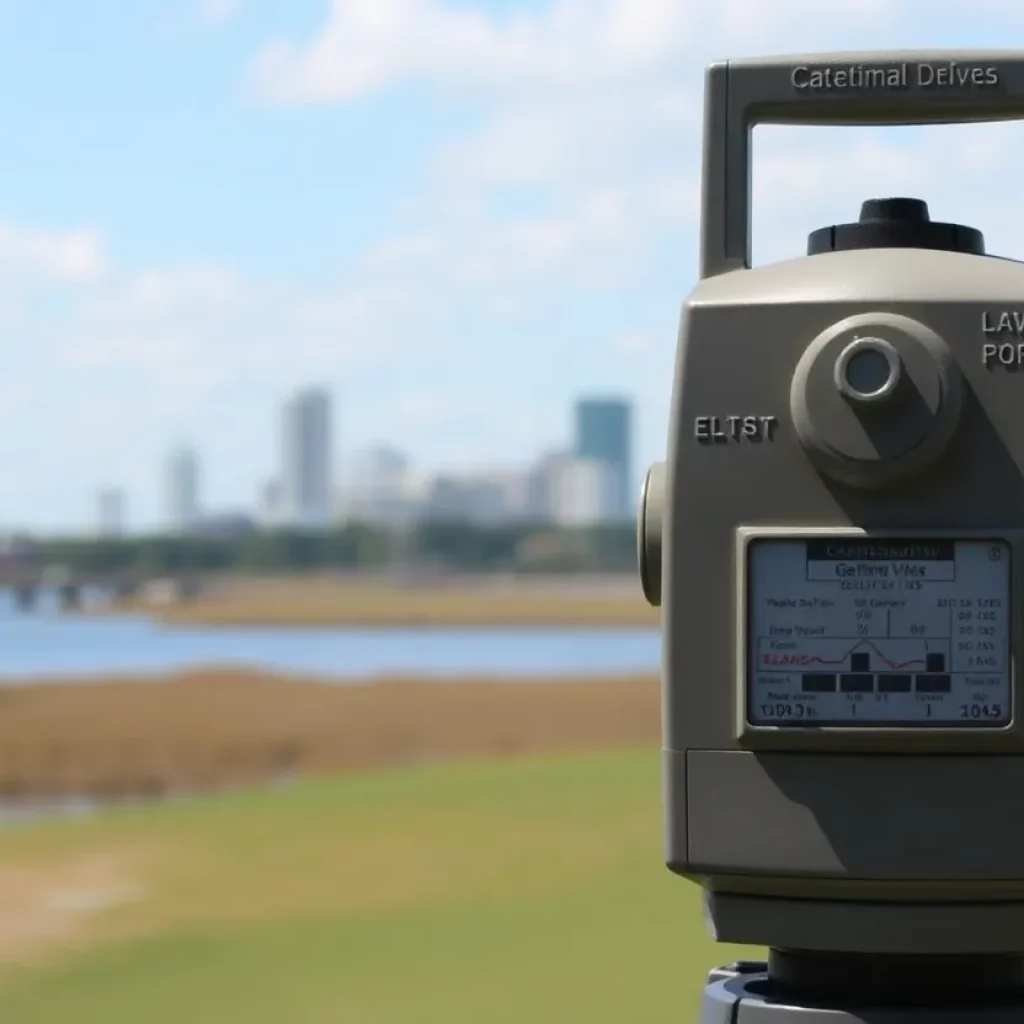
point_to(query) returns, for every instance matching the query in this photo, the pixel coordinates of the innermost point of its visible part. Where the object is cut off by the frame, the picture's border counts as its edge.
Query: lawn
(514, 891)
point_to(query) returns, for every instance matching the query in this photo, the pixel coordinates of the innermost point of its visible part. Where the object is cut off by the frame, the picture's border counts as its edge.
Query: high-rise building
(307, 458)
(582, 492)
(183, 512)
(380, 490)
(467, 498)
(539, 487)
(604, 432)
(110, 508)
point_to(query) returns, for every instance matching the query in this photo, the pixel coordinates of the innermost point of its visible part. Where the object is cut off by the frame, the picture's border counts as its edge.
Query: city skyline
(205, 205)
(313, 483)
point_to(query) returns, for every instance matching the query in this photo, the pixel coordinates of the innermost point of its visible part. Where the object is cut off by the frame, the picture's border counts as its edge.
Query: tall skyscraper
(604, 432)
(308, 458)
(182, 490)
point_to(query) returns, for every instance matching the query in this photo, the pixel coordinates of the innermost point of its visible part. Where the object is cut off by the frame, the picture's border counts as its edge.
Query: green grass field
(517, 891)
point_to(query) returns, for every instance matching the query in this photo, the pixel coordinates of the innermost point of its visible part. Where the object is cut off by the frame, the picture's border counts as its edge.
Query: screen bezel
(969, 735)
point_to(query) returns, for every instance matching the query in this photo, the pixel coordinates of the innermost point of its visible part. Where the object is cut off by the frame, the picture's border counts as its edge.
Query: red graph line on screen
(813, 659)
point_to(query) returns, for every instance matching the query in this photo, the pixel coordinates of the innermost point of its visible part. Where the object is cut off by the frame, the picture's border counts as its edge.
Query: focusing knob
(876, 398)
(896, 224)
(649, 528)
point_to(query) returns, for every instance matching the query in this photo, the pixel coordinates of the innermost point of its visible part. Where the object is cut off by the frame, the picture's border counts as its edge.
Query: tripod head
(836, 542)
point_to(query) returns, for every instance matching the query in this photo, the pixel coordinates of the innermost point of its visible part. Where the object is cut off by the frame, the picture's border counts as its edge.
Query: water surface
(47, 644)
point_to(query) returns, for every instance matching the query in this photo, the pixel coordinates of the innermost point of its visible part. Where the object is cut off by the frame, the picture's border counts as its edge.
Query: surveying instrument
(836, 542)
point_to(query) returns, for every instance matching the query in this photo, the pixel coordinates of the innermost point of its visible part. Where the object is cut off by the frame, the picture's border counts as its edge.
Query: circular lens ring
(860, 346)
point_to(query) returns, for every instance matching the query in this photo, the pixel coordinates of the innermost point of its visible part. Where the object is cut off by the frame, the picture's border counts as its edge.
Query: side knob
(649, 526)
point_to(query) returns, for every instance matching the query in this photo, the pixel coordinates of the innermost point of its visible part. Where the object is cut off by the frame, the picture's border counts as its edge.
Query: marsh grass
(155, 737)
(372, 602)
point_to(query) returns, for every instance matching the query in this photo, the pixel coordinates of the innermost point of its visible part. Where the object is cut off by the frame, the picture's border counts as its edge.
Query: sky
(458, 215)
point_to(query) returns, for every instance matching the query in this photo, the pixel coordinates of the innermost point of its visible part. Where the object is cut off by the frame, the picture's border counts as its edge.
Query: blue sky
(456, 215)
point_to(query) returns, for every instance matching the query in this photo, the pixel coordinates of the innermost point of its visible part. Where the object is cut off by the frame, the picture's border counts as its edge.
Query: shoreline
(377, 605)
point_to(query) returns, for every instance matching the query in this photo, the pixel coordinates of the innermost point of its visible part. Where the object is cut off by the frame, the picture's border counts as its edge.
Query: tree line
(441, 546)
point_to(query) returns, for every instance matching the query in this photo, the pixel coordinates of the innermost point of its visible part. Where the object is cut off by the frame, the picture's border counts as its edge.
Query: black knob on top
(896, 224)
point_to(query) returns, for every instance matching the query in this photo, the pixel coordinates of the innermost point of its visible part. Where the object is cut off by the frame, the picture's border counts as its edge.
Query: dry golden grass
(208, 730)
(375, 603)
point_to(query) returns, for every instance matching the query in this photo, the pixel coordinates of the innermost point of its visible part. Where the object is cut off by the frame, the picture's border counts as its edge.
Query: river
(51, 645)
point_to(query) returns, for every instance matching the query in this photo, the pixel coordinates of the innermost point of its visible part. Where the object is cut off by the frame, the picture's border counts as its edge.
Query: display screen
(858, 632)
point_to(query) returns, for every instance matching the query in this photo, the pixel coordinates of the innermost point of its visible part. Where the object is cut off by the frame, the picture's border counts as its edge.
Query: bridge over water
(28, 580)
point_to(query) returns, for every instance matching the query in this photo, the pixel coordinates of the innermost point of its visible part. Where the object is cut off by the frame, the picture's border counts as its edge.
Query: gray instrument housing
(888, 840)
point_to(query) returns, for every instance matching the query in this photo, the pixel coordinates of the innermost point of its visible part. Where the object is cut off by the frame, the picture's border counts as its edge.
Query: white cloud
(33, 255)
(219, 12)
(367, 45)
(370, 44)
(595, 237)
(185, 332)
(203, 288)
(572, 136)
(595, 105)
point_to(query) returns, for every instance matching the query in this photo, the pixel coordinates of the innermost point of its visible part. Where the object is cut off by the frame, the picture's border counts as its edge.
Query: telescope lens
(867, 370)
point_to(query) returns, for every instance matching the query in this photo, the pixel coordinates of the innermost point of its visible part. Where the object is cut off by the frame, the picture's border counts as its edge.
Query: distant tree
(460, 546)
